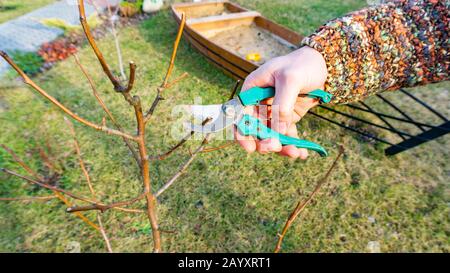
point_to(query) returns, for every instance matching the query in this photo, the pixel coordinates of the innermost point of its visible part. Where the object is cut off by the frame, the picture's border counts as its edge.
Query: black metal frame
(428, 131)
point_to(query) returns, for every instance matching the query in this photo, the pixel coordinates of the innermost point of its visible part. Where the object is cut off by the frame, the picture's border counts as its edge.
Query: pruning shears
(232, 112)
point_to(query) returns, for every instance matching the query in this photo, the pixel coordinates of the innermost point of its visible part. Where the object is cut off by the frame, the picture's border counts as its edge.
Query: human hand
(299, 72)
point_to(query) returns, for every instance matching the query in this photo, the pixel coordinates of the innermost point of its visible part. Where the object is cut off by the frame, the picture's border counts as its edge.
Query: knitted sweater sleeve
(400, 44)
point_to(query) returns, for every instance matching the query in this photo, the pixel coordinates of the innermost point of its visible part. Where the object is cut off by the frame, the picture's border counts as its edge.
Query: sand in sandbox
(249, 39)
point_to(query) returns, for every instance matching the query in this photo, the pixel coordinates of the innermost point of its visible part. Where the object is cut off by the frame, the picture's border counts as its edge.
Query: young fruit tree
(134, 141)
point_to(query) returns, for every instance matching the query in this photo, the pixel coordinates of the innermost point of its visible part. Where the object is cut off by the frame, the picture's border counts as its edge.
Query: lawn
(10, 9)
(227, 201)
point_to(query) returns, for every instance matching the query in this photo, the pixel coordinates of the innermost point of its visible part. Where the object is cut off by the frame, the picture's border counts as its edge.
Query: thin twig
(103, 208)
(234, 90)
(59, 195)
(207, 150)
(116, 41)
(29, 198)
(233, 93)
(173, 148)
(78, 214)
(88, 180)
(177, 80)
(95, 203)
(165, 84)
(178, 145)
(31, 83)
(87, 31)
(183, 167)
(94, 89)
(47, 161)
(155, 103)
(125, 90)
(174, 51)
(302, 204)
(49, 187)
(188, 136)
(21, 163)
(140, 138)
(127, 210)
(80, 159)
(132, 77)
(104, 235)
(105, 108)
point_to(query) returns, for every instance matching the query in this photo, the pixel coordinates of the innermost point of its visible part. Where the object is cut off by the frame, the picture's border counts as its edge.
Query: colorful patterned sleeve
(404, 43)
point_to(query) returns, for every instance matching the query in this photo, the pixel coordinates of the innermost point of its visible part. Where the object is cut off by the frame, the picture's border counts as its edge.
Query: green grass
(10, 9)
(227, 201)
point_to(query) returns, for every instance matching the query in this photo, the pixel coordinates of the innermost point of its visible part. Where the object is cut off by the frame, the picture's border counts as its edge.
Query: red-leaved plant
(56, 51)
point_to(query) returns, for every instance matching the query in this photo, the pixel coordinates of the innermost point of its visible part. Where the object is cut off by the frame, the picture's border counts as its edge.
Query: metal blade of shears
(221, 115)
(202, 112)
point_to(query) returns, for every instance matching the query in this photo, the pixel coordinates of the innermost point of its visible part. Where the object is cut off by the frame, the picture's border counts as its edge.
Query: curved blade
(219, 119)
(202, 112)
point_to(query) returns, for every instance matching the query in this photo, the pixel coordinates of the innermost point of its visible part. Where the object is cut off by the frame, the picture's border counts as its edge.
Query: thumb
(283, 104)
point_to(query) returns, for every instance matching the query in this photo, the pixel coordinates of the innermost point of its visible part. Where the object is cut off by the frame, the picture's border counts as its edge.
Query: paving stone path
(26, 33)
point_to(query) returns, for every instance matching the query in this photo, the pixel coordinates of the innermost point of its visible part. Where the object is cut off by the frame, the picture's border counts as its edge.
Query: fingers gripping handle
(251, 126)
(255, 95)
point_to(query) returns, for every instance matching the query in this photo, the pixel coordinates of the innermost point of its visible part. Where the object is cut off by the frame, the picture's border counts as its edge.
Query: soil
(244, 40)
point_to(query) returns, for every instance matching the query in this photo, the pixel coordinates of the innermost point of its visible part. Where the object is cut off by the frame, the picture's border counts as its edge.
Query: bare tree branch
(212, 149)
(178, 145)
(235, 89)
(39, 177)
(140, 138)
(95, 203)
(103, 208)
(183, 167)
(177, 80)
(105, 108)
(187, 137)
(48, 162)
(140, 119)
(145, 172)
(114, 80)
(116, 41)
(80, 159)
(132, 77)
(104, 235)
(174, 51)
(21, 163)
(165, 83)
(29, 198)
(29, 82)
(78, 214)
(50, 187)
(88, 180)
(302, 204)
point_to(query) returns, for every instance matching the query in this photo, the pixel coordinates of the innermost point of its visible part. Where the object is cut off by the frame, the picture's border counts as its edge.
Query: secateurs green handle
(255, 95)
(251, 126)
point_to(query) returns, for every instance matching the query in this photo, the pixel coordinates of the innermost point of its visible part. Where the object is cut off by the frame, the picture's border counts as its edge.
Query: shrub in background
(130, 7)
(57, 51)
(30, 62)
